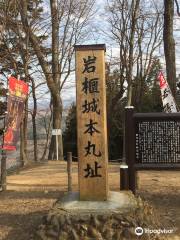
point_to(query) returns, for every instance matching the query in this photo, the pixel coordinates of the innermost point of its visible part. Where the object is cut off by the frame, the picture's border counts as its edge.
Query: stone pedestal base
(114, 219)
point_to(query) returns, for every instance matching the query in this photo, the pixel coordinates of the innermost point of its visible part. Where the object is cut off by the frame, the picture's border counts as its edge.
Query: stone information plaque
(91, 122)
(158, 142)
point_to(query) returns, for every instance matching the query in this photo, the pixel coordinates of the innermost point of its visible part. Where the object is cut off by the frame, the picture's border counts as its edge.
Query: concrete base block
(117, 201)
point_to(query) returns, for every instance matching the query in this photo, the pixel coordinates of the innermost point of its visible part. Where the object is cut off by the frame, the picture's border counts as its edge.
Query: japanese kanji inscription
(91, 122)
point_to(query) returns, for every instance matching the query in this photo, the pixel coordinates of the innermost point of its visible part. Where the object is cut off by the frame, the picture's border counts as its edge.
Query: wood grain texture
(92, 188)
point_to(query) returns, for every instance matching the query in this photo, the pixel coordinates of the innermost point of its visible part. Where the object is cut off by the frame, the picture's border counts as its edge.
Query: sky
(69, 93)
(99, 23)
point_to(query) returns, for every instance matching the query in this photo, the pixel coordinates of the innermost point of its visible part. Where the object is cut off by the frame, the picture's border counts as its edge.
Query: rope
(110, 160)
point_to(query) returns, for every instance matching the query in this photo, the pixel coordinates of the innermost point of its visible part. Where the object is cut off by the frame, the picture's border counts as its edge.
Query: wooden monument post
(91, 122)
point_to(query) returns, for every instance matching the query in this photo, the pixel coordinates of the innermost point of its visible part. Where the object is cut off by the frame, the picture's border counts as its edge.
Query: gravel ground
(31, 193)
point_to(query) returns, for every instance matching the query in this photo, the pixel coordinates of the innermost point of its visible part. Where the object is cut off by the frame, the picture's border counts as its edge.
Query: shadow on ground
(21, 212)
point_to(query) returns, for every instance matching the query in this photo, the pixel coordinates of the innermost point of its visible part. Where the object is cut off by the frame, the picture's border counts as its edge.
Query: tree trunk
(23, 157)
(53, 81)
(3, 170)
(57, 120)
(35, 138)
(34, 121)
(25, 127)
(56, 100)
(169, 44)
(134, 9)
(47, 139)
(23, 136)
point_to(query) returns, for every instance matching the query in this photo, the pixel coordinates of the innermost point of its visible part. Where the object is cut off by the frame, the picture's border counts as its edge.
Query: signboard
(56, 132)
(169, 104)
(158, 141)
(91, 122)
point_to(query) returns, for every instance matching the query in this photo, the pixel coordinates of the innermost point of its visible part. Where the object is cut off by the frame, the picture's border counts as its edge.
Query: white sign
(169, 104)
(56, 132)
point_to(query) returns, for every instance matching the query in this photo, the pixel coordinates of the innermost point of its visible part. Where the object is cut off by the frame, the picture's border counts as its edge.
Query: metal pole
(3, 170)
(4, 154)
(130, 146)
(3, 163)
(124, 178)
(69, 170)
(57, 147)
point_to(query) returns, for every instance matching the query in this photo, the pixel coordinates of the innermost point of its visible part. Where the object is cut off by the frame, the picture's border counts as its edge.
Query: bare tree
(68, 19)
(49, 29)
(137, 32)
(16, 56)
(149, 38)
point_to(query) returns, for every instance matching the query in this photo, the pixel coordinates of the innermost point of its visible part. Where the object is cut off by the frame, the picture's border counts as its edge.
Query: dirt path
(32, 192)
(162, 190)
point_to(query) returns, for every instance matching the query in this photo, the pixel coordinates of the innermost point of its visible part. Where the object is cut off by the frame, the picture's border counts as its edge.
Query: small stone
(74, 218)
(61, 220)
(63, 235)
(52, 233)
(55, 223)
(108, 223)
(41, 227)
(84, 227)
(67, 228)
(48, 218)
(82, 234)
(115, 224)
(106, 226)
(44, 219)
(68, 220)
(41, 235)
(108, 234)
(102, 218)
(125, 224)
(93, 232)
(131, 220)
(117, 235)
(94, 221)
(83, 231)
(118, 217)
(74, 235)
(126, 233)
(83, 218)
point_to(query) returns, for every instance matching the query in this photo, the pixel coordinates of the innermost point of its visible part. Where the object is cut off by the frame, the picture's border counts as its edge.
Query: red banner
(162, 81)
(168, 101)
(18, 91)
